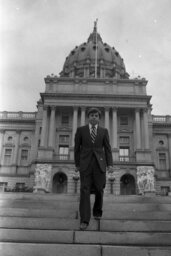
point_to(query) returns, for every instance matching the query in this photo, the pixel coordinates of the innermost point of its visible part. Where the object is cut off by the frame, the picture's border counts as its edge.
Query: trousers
(92, 178)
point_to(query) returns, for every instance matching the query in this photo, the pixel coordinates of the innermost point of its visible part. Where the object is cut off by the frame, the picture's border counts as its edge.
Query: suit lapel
(88, 133)
(98, 134)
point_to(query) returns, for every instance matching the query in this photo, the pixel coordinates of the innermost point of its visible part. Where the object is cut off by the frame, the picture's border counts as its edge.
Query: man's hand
(77, 169)
(110, 169)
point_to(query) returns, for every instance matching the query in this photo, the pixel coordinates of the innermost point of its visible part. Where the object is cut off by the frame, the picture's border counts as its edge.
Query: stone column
(138, 130)
(145, 127)
(44, 128)
(115, 128)
(74, 124)
(2, 132)
(82, 116)
(35, 142)
(107, 118)
(52, 127)
(169, 138)
(15, 159)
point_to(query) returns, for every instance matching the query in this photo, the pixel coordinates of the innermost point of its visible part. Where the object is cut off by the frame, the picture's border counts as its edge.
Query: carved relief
(42, 177)
(145, 179)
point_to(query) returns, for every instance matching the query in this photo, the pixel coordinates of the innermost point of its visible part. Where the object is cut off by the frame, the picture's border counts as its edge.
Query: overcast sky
(37, 35)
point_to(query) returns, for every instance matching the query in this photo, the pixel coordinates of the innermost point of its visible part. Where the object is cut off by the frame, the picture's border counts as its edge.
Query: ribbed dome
(85, 61)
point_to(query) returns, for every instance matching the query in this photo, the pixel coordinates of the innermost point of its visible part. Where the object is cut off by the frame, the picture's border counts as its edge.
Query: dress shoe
(83, 226)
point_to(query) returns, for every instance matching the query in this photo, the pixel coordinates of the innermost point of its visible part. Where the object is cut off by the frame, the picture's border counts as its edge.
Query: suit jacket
(84, 148)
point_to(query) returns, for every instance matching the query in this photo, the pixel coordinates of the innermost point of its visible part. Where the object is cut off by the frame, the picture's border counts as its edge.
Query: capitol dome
(89, 61)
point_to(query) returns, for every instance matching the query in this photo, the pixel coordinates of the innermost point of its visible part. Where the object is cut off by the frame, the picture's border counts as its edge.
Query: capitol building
(93, 75)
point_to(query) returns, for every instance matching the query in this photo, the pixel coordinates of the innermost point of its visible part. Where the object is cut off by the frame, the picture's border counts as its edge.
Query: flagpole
(96, 48)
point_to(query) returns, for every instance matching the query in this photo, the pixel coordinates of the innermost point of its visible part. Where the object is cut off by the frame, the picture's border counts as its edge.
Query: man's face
(94, 118)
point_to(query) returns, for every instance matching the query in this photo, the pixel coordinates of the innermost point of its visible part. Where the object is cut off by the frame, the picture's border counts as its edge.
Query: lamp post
(76, 179)
(111, 179)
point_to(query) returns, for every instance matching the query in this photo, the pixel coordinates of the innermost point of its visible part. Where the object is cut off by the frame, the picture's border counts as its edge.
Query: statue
(42, 177)
(145, 179)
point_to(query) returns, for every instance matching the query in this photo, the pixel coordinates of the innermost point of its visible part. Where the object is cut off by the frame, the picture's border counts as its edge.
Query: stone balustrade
(17, 115)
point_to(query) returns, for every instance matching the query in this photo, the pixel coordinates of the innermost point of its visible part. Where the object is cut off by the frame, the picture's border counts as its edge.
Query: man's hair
(93, 110)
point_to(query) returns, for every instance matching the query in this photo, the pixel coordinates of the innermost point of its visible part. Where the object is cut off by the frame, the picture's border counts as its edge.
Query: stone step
(38, 204)
(86, 237)
(137, 206)
(73, 224)
(135, 225)
(53, 213)
(75, 197)
(44, 223)
(74, 214)
(136, 215)
(37, 196)
(115, 206)
(27, 249)
(123, 238)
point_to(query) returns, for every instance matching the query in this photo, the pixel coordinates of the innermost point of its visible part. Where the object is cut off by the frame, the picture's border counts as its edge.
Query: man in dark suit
(93, 156)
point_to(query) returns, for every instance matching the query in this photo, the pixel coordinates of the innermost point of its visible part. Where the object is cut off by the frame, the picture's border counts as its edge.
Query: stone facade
(138, 138)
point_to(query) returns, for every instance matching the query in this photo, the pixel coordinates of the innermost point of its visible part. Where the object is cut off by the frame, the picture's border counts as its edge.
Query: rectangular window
(3, 186)
(40, 130)
(124, 154)
(65, 119)
(8, 156)
(162, 161)
(24, 154)
(63, 152)
(123, 120)
(63, 138)
(19, 186)
(124, 140)
(165, 190)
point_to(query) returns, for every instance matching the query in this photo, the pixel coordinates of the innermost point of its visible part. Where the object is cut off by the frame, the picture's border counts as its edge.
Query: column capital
(115, 109)
(45, 107)
(75, 107)
(83, 107)
(18, 131)
(52, 107)
(145, 110)
(137, 110)
(106, 108)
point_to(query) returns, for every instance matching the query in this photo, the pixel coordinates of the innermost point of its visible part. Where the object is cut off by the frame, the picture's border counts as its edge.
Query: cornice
(18, 120)
(55, 79)
(88, 95)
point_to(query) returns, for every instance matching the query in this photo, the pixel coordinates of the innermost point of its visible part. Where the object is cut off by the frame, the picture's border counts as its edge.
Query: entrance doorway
(127, 185)
(59, 183)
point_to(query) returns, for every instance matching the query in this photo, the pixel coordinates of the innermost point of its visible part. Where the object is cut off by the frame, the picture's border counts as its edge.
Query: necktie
(93, 133)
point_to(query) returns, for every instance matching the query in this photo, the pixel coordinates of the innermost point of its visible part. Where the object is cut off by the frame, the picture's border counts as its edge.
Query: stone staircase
(48, 225)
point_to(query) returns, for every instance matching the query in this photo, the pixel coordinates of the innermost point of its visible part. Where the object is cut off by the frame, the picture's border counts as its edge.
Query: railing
(121, 158)
(161, 119)
(62, 157)
(17, 115)
(127, 159)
